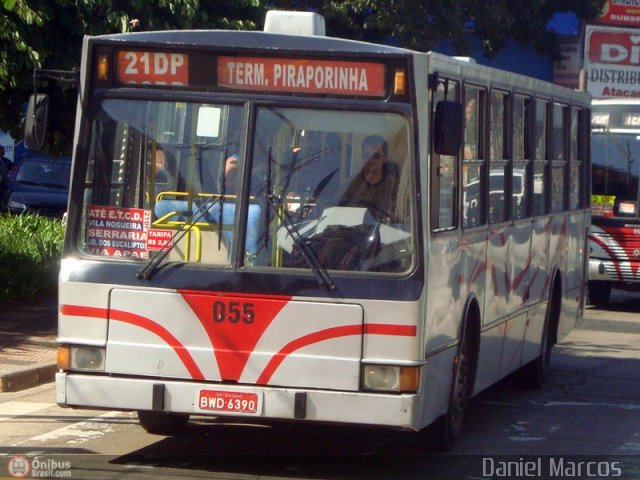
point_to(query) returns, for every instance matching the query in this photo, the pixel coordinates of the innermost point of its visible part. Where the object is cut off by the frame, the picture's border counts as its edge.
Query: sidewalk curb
(29, 377)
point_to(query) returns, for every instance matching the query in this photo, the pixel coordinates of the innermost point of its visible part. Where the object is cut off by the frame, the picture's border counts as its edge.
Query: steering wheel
(359, 254)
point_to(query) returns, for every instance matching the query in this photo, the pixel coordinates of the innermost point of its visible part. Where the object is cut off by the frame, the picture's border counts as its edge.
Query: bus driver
(376, 186)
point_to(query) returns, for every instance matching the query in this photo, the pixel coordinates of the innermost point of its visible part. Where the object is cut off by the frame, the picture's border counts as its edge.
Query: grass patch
(30, 252)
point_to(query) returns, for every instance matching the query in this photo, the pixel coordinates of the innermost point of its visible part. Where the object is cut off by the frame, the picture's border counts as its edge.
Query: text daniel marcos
(554, 467)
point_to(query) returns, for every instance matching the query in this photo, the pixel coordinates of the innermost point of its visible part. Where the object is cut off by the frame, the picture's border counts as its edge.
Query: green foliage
(30, 252)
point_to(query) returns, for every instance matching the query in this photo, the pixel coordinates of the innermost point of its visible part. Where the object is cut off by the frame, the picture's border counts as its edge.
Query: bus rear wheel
(449, 426)
(163, 423)
(535, 374)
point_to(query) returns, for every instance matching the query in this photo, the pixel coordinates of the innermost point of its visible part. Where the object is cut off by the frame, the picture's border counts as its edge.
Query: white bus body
(414, 312)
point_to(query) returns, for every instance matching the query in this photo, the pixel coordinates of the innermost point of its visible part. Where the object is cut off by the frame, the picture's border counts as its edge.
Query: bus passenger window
(152, 167)
(576, 157)
(444, 172)
(474, 159)
(498, 192)
(471, 128)
(521, 157)
(558, 163)
(540, 189)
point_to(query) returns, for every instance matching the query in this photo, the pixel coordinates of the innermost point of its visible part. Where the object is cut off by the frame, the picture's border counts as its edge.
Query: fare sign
(302, 75)
(153, 68)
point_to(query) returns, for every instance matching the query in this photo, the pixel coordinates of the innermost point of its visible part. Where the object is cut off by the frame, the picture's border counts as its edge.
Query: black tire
(163, 423)
(448, 427)
(599, 293)
(535, 374)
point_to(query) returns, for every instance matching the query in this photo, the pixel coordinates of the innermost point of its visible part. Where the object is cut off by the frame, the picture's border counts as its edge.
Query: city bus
(277, 293)
(614, 260)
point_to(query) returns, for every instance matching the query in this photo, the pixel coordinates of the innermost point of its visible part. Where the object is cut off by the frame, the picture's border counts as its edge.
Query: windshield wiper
(152, 264)
(307, 252)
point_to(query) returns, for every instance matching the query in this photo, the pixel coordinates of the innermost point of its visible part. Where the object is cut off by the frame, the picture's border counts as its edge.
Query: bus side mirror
(35, 126)
(447, 128)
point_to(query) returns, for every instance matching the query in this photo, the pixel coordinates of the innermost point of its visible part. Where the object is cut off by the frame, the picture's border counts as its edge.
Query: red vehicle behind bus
(614, 260)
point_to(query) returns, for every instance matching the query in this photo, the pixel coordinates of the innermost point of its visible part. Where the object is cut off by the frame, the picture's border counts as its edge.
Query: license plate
(229, 402)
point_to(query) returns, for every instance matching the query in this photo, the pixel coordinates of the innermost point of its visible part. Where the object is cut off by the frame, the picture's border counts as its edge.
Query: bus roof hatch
(294, 23)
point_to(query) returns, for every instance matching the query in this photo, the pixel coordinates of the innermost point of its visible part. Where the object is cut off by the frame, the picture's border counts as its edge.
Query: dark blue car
(39, 184)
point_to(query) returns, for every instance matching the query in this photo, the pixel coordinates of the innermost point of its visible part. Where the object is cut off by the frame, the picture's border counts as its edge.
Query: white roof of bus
(255, 40)
(259, 41)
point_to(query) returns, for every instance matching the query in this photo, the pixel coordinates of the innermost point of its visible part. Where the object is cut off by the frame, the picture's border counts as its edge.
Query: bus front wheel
(163, 423)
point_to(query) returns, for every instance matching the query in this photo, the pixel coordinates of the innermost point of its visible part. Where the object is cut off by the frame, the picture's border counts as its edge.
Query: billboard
(566, 71)
(621, 12)
(612, 61)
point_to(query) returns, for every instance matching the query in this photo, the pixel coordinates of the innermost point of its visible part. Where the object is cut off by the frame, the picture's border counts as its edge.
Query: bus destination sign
(295, 75)
(153, 68)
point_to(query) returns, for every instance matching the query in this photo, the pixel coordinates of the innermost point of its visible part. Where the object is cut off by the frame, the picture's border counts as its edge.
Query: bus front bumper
(116, 393)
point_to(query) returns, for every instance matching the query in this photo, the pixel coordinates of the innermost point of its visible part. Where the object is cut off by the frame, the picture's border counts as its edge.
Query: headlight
(81, 358)
(391, 378)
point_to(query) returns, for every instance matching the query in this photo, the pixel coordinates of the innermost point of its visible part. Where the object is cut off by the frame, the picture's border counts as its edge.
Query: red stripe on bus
(79, 311)
(302, 342)
(328, 334)
(387, 329)
(142, 322)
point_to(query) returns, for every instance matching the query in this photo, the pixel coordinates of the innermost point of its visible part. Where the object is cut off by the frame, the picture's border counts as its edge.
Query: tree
(423, 24)
(48, 34)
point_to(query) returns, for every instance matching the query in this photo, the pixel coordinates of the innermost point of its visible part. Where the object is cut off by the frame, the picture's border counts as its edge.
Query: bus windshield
(337, 181)
(616, 168)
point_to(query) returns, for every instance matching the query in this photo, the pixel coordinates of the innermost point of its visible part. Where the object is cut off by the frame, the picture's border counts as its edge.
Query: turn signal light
(400, 82)
(64, 357)
(103, 67)
(409, 379)
(391, 378)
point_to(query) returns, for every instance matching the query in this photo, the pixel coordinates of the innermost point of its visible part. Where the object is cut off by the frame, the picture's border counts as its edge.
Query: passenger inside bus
(164, 176)
(165, 181)
(376, 185)
(231, 174)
